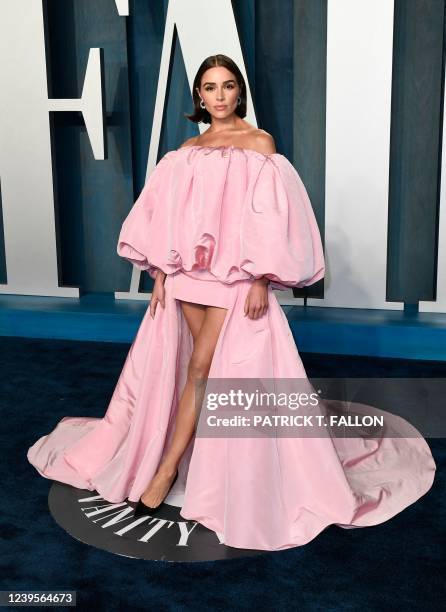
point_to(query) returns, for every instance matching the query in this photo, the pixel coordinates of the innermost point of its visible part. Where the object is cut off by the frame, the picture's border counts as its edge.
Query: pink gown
(224, 216)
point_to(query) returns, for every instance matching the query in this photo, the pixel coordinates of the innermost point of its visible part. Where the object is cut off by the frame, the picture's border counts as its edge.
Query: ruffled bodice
(236, 213)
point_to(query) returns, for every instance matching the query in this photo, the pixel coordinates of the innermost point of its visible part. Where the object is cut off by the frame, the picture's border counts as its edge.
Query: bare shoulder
(262, 142)
(189, 142)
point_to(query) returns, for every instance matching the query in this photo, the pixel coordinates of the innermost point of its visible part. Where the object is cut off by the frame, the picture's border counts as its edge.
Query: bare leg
(205, 323)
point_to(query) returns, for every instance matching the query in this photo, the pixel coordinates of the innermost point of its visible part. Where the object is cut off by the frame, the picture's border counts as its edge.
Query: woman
(218, 91)
(220, 223)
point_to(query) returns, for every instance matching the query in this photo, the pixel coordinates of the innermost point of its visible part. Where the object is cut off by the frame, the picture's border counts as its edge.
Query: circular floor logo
(164, 535)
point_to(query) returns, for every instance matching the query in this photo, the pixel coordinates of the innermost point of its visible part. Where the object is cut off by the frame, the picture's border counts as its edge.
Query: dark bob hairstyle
(201, 115)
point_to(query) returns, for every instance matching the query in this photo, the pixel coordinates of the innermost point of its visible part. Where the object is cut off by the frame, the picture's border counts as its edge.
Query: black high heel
(142, 509)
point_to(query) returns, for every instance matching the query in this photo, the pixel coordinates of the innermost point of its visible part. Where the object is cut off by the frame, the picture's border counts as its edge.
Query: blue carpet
(399, 564)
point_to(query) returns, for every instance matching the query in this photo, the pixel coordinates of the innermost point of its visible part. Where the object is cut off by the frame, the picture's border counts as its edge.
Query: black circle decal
(164, 535)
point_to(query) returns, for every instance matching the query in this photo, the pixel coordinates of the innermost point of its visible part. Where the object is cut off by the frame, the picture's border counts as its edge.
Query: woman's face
(219, 90)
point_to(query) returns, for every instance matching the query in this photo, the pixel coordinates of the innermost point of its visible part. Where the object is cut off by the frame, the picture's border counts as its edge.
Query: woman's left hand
(256, 303)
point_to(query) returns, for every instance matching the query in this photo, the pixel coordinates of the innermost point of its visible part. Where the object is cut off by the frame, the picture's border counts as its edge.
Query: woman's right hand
(158, 292)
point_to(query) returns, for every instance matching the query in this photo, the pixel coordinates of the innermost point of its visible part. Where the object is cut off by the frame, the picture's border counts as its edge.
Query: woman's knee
(198, 367)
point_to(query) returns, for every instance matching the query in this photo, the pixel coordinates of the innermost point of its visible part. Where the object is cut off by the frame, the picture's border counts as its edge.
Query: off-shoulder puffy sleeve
(280, 238)
(136, 241)
(238, 214)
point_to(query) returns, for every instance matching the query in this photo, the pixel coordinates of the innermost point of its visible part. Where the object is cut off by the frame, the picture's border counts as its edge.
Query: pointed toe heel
(142, 510)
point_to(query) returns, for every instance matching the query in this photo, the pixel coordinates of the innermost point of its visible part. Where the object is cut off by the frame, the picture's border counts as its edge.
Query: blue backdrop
(284, 47)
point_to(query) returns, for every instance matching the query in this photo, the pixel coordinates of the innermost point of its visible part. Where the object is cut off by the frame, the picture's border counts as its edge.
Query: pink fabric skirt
(267, 493)
(201, 287)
